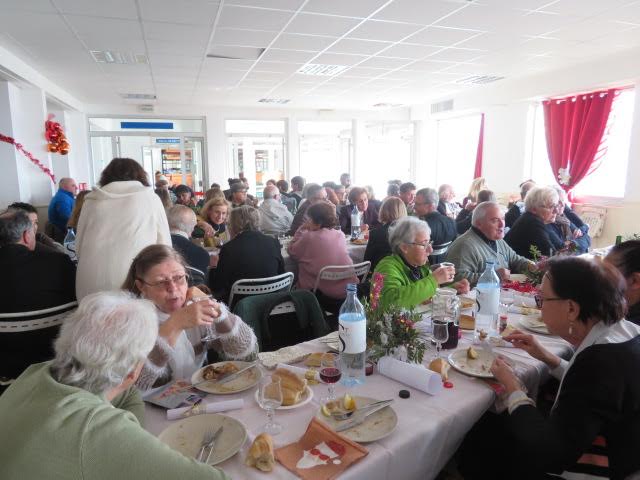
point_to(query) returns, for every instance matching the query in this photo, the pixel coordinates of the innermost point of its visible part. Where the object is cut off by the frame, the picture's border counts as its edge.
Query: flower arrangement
(391, 330)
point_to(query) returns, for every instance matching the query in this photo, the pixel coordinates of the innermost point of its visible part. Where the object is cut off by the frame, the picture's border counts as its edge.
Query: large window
(457, 147)
(325, 150)
(609, 175)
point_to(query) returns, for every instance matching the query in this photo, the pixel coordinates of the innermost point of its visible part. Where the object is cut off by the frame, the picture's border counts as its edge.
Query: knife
(221, 380)
(361, 418)
(212, 444)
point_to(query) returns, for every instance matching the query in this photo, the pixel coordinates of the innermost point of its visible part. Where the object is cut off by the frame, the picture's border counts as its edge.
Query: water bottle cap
(352, 287)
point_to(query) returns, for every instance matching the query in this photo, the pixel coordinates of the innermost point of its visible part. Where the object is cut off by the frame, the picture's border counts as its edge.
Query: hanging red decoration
(55, 136)
(29, 155)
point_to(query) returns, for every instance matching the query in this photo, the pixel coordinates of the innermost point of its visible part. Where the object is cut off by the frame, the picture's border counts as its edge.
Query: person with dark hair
(118, 219)
(359, 198)
(314, 193)
(239, 195)
(593, 428)
(626, 258)
(345, 180)
(408, 195)
(285, 197)
(283, 186)
(297, 184)
(393, 190)
(317, 244)
(61, 206)
(231, 182)
(517, 208)
(392, 209)
(442, 228)
(463, 220)
(184, 196)
(43, 241)
(30, 281)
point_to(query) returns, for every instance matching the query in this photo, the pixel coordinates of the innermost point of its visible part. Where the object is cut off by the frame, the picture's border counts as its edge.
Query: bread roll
(289, 380)
(440, 365)
(314, 359)
(195, 292)
(260, 454)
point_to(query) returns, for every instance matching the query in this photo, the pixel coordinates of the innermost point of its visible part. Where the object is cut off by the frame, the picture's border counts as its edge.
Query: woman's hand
(577, 233)
(208, 229)
(531, 345)
(364, 227)
(504, 374)
(444, 274)
(198, 313)
(462, 286)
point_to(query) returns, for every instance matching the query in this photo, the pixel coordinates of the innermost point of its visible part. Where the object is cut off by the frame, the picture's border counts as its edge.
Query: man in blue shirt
(62, 204)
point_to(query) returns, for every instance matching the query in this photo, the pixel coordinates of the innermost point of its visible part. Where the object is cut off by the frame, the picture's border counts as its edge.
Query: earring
(571, 328)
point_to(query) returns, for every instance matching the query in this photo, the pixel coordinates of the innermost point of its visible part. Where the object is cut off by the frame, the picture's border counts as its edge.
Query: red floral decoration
(55, 136)
(29, 155)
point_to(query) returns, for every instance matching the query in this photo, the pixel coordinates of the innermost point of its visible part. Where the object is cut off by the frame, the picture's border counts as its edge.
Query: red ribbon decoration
(57, 141)
(29, 155)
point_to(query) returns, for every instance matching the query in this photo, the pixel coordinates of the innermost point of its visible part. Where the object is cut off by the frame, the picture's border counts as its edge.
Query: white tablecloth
(430, 428)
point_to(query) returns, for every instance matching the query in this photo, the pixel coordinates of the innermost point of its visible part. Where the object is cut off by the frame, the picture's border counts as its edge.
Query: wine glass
(440, 334)
(270, 398)
(506, 299)
(330, 373)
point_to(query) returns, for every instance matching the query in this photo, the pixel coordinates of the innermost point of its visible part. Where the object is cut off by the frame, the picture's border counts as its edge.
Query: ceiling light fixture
(321, 70)
(111, 56)
(279, 101)
(387, 105)
(138, 96)
(478, 79)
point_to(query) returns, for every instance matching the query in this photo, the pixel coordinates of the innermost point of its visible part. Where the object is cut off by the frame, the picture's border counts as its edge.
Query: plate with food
(375, 426)
(534, 324)
(208, 378)
(295, 391)
(186, 436)
(358, 241)
(475, 362)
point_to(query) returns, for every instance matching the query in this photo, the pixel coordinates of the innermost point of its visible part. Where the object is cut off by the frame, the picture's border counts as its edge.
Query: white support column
(416, 150)
(292, 147)
(359, 136)
(13, 189)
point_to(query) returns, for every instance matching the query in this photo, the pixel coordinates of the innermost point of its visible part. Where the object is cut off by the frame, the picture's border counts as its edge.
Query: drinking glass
(270, 398)
(506, 299)
(440, 334)
(330, 374)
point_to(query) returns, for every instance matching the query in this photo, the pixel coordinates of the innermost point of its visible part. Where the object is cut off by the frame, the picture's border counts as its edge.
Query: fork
(349, 414)
(206, 440)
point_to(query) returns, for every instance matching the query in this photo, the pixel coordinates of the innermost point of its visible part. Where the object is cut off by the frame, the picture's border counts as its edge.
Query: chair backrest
(196, 277)
(260, 286)
(441, 249)
(340, 272)
(35, 320)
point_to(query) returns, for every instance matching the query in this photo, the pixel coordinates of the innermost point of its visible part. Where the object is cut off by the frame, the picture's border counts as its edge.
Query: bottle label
(353, 336)
(488, 300)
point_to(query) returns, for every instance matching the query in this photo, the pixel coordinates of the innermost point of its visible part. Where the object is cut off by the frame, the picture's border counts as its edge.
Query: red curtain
(477, 172)
(574, 128)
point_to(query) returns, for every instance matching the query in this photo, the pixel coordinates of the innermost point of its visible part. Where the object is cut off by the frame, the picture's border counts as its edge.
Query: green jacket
(54, 431)
(399, 289)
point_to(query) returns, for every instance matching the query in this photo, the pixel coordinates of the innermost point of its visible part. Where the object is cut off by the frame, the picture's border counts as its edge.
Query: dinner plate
(534, 324)
(307, 395)
(478, 367)
(376, 426)
(186, 436)
(245, 381)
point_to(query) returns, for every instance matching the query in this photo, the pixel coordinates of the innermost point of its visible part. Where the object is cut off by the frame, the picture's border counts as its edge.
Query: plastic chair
(340, 272)
(196, 277)
(260, 286)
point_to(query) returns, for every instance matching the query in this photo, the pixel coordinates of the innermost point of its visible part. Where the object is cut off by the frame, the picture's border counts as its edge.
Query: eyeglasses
(166, 283)
(424, 246)
(540, 300)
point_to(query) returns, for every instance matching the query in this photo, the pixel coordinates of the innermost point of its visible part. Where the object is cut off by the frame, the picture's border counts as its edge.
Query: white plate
(376, 426)
(518, 277)
(307, 395)
(534, 325)
(186, 435)
(244, 382)
(474, 368)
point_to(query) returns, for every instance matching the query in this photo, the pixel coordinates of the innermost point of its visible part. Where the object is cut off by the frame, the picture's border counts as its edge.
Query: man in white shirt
(274, 216)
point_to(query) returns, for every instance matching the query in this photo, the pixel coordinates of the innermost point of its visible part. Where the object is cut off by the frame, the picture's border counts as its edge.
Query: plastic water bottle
(352, 331)
(70, 244)
(355, 222)
(488, 300)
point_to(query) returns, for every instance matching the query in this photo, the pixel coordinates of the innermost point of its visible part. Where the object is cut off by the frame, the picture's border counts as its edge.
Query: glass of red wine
(330, 373)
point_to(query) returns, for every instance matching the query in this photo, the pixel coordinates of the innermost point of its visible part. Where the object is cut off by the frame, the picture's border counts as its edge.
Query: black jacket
(378, 246)
(196, 256)
(369, 217)
(512, 215)
(443, 230)
(463, 221)
(249, 255)
(32, 281)
(529, 230)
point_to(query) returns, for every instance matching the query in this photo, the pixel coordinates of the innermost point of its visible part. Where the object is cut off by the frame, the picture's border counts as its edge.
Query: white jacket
(274, 217)
(116, 223)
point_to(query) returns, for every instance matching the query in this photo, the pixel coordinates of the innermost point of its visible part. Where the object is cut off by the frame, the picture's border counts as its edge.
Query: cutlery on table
(349, 414)
(360, 418)
(212, 444)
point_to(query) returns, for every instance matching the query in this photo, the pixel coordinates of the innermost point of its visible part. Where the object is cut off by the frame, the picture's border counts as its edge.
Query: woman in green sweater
(78, 416)
(408, 280)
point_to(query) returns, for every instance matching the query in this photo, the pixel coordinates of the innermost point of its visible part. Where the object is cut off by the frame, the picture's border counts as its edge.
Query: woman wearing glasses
(158, 274)
(529, 230)
(408, 280)
(594, 425)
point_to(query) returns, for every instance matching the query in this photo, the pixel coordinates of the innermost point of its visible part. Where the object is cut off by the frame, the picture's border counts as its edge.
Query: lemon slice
(348, 402)
(325, 411)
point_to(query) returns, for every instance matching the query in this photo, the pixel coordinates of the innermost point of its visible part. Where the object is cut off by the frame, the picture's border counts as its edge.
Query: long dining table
(430, 427)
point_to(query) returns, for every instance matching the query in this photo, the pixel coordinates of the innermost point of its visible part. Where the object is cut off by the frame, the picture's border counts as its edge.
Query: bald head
(68, 185)
(271, 192)
(181, 219)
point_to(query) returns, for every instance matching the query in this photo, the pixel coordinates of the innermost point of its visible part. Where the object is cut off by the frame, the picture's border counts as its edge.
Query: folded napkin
(412, 374)
(214, 407)
(302, 372)
(292, 354)
(320, 454)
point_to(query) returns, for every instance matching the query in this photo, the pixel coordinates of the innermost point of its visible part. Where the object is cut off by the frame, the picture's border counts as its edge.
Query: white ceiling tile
(518, 4)
(442, 36)
(626, 13)
(339, 59)
(194, 12)
(39, 6)
(427, 66)
(350, 8)
(417, 11)
(312, 24)
(328, 90)
(467, 69)
(386, 31)
(358, 47)
(162, 60)
(382, 83)
(405, 75)
(255, 76)
(290, 56)
(215, 64)
(345, 81)
(456, 55)
(406, 50)
(112, 8)
(50, 29)
(248, 38)
(481, 17)
(588, 30)
(253, 18)
(97, 30)
(294, 41)
(265, 66)
(177, 47)
(494, 42)
(175, 32)
(277, 4)
(584, 8)
(365, 72)
(384, 62)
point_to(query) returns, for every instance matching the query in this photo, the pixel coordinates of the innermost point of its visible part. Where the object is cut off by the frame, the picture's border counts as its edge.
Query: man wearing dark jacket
(443, 229)
(182, 221)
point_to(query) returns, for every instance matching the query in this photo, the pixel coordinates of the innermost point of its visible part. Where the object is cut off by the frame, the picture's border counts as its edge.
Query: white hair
(480, 212)
(540, 197)
(405, 230)
(562, 195)
(270, 192)
(104, 340)
(182, 218)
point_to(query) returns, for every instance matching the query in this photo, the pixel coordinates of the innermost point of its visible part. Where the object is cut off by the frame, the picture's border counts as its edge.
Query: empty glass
(440, 334)
(270, 398)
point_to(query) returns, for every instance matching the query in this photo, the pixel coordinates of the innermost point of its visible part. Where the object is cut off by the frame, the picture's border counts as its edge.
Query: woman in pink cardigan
(317, 244)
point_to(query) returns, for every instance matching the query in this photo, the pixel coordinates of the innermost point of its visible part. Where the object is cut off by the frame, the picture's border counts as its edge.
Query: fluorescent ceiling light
(138, 96)
(280, 101)
(322, 70)
(111, 56)
(478, 79)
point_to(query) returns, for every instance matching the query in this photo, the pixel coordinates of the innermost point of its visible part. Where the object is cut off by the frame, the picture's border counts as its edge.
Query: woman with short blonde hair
(212, 222)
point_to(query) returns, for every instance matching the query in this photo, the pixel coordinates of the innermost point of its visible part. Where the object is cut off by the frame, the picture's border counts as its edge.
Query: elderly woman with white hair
(408, 280)
(529, 230)
(61, 413)
(563, 232)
